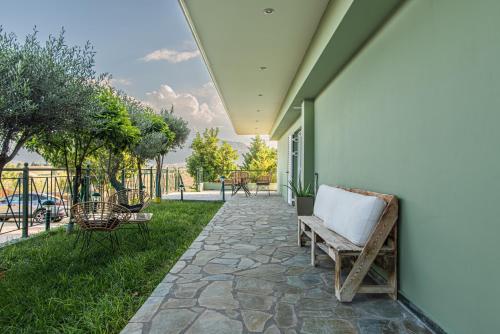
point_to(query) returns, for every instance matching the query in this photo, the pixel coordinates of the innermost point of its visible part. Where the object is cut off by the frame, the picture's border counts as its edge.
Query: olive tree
(117, 155)
(104, 123)
(181, 131)
(155, 135)
(43, 86)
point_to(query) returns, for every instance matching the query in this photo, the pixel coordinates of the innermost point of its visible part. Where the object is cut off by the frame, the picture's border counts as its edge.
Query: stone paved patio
(245, 274)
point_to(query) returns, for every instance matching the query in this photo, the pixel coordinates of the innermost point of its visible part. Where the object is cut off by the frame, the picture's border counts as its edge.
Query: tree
(181, 131)
(117, 154)
(256, 146)
(104, 122)
(107, 163)
(177, 125)
(154, 139)
(208, 155)
(10, 181)
(42, 86)
(265, 160)
(204, 154)
(155, 135)
(226, 159)
(260, 157)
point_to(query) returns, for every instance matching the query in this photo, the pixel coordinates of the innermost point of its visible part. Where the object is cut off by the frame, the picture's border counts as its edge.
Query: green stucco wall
(417, 113)
(283, 158)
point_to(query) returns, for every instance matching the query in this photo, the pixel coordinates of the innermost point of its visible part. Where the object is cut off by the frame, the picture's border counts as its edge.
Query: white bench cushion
(349, 214)
(323, 202)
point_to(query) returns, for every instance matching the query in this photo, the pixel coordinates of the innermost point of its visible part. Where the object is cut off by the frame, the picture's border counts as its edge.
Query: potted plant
(304, 198)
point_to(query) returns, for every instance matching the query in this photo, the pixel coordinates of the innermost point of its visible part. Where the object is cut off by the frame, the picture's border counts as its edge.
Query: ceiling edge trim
(324, 54)
(332, 18)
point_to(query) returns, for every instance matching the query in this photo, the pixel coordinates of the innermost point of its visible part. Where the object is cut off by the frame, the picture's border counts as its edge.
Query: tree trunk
(75, 196)
(139, 175)
(114, 166)
(117, 185)
(76, 184)
(159, 165)
(5, 157)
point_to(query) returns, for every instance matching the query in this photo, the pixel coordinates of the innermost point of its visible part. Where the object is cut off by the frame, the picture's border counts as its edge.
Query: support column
(307, 161)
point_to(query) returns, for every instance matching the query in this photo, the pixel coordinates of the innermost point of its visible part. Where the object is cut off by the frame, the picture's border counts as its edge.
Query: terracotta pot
(304, 205)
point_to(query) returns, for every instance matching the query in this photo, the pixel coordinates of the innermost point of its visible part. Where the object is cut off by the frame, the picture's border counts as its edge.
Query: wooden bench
(380, 250)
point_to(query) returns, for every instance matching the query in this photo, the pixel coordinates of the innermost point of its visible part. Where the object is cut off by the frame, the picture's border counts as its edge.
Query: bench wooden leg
(338, 274)
(364, 261)
(313, 248)
(392, 279)
(299, 233)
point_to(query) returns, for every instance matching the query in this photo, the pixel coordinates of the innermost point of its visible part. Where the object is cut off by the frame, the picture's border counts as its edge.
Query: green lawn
(50, 287)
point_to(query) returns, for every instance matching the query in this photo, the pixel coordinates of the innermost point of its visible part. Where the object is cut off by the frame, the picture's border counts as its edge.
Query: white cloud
(172, 56)
(201, 107)
(120, 82)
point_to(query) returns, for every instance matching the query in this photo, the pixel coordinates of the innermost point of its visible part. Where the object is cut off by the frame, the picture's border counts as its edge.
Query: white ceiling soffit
(252, 55)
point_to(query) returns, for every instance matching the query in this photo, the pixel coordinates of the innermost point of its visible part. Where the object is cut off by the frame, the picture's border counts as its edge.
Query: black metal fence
(24, 191)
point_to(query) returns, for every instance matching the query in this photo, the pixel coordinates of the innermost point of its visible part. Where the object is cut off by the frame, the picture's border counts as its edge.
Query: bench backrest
(352, 213)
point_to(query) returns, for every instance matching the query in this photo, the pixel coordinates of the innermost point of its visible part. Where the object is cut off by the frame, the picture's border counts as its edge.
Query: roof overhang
(302, 44)
(237, 39)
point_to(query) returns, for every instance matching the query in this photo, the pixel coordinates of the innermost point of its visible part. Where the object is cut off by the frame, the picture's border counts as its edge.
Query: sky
(146, 45)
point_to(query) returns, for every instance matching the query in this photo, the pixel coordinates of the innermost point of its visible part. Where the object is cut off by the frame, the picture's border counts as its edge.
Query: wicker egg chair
(104, 217)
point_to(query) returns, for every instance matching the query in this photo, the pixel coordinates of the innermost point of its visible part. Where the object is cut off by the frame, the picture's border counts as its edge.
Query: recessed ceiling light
(268, 11)
(263, 68)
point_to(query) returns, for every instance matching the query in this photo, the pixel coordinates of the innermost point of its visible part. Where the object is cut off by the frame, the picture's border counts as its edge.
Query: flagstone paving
(246, 274)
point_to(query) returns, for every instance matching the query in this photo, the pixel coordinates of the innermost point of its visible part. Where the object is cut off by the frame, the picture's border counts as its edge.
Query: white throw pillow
(352, 215)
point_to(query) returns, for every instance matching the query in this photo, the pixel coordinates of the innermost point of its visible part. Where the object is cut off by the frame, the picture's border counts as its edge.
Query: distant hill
(29, 157)
(240, 147)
